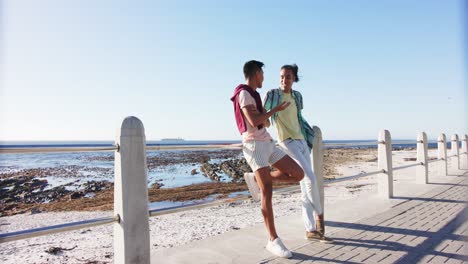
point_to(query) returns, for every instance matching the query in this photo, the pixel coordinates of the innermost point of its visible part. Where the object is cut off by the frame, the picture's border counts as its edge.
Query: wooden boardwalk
(432, 228)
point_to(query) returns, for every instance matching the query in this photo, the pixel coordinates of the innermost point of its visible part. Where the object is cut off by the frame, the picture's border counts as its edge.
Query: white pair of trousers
(310, 196)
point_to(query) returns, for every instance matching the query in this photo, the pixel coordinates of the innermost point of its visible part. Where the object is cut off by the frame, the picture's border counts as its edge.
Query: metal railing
(407, 166)
(48, 230)
(21, 150)
(354, 177)
(26, 150)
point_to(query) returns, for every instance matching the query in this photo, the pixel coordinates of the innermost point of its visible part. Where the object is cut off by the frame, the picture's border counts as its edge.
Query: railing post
(131, 233)
(464, 163)
(422, 174)
(455, 150)
(442, 154)
(384, 152)
(317, 161)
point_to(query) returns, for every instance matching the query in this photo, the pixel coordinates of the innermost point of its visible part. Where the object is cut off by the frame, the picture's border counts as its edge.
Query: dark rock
(57, 250)
(209, 170)
(157, 185)
(85, 231)
(96, 186)
(35, 211)
(234, 168)
(28, 190)
(76, 195)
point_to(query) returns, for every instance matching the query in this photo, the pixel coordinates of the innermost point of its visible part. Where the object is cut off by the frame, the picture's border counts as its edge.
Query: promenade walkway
(429, 229)
(424, 223)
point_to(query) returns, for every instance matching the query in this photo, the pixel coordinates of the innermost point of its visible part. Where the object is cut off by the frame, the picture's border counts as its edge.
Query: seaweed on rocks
(18, 191)
(234, 168)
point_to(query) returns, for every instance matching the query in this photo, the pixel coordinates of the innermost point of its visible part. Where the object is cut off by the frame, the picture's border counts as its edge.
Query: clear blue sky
(72, 70)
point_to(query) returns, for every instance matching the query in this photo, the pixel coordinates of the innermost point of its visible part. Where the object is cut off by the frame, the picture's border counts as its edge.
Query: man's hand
(255, 118)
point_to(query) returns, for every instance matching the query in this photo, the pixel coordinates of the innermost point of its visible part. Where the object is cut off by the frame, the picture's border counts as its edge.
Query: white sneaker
(254, 189)
(277, 248)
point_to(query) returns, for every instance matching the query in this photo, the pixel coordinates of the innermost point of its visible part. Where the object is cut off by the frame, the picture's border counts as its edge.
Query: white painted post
(131, 234)
(317, 161)
(384, 155)
(422, 174)
(455, 150)
(464, 162)
(442, 154)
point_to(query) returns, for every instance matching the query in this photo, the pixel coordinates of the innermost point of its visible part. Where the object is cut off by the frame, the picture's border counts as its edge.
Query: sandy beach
(95, 245)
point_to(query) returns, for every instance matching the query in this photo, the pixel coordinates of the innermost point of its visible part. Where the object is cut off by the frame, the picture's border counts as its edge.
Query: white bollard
(384, 150)
(131, 234)
(442, 154)
(317, 161)
(455, 151)
(464, 156)
(422, 174)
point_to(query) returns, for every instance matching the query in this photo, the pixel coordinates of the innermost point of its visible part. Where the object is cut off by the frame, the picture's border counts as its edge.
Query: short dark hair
(251, 67)
(294, 68)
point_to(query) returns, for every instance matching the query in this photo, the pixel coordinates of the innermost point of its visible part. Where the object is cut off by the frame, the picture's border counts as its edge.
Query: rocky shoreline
(29, 191)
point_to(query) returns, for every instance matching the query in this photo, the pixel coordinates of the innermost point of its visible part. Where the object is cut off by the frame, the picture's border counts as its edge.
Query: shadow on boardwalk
(427, 229)
(428, 247)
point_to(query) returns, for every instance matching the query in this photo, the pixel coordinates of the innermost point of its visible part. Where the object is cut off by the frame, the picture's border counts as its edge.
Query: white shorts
(260, 154)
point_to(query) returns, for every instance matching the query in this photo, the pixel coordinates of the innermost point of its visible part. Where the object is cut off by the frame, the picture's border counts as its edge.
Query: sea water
(75, 168)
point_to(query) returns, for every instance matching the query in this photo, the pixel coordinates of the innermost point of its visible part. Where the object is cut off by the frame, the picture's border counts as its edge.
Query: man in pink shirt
(260, 151)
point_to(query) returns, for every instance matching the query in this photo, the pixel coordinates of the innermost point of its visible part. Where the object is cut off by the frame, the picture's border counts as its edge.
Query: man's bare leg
(287, 170)
(265, 183)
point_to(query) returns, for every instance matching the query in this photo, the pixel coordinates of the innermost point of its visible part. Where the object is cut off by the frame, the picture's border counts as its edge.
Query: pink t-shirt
(252, 133)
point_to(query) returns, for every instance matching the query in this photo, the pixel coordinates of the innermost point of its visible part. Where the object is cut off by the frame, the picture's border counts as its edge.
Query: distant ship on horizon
(172, 139)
